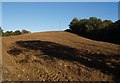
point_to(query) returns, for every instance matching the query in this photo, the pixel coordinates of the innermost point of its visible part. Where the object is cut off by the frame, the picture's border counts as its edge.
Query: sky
(0, 13)
(60, 0)
(119, 10)
(53, 16)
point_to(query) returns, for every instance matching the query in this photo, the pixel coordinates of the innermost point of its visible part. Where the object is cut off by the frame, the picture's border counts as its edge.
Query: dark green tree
(95, 22)
(8, 33)
(17, 32)
(1, 31)
(74, 24)
(96, 28)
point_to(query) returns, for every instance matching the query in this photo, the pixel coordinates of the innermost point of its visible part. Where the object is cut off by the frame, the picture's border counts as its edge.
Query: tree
(95, 22)
(85, 26)
(17, 32)
(1, 31)
(106, 23)
(25, 31)
(115, 27)
(11, 33)
(8, 33)
(96, 28)
(73, 24)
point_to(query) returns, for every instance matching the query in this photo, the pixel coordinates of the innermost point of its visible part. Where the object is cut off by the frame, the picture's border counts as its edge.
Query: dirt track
(59, 56)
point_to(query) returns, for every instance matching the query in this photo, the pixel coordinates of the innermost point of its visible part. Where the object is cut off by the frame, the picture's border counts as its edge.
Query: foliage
(106, 23)
(85, 25)
(13, 33)
(96, 28)
(1, 31)
(17, 32)
(8, 33)
(73, 24)
(25, 31)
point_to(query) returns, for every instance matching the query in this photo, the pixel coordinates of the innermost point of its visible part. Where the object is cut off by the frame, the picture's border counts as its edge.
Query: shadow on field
(59, 51)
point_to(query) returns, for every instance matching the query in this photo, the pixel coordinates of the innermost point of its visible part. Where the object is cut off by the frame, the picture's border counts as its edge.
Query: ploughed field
(59, 56)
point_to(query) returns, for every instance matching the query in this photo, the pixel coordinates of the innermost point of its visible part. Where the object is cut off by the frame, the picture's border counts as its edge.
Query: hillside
(59, 56)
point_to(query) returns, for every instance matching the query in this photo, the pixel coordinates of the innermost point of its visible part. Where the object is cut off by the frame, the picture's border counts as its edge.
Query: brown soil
(59, 56)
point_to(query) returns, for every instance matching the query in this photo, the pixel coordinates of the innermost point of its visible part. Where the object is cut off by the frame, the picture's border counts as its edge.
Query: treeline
(96, 29)
(13, 33)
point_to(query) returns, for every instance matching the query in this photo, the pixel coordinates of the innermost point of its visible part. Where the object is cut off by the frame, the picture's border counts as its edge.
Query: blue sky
(0, 13)
(39, 16)
(60, 0)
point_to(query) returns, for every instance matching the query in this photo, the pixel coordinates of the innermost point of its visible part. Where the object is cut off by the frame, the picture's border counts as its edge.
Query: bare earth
(59, 56)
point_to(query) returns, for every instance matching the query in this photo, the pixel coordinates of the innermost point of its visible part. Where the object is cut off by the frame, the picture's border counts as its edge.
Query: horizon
(53, 16)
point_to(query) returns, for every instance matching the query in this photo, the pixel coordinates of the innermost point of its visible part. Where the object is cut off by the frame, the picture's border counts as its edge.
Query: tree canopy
(12, 33)
(96, 28)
